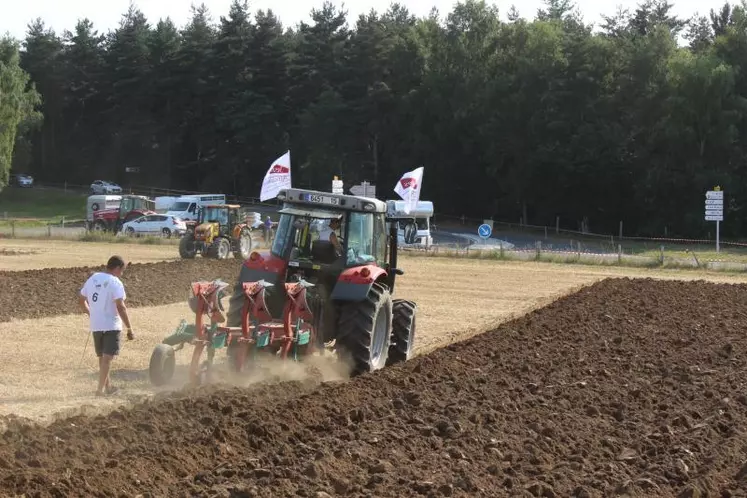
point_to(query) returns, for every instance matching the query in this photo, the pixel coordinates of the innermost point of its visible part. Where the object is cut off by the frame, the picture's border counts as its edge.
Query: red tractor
(309, 290)
(131, 207)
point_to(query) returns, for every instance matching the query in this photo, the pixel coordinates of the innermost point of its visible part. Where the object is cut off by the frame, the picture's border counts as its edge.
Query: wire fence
(456, 236)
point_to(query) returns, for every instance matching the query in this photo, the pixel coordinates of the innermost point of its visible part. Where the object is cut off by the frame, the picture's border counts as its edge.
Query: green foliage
(527, 119)
(18, 102)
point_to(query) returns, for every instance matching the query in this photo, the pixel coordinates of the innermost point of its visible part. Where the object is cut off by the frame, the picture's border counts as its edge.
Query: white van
(185, 206)
(422, 214)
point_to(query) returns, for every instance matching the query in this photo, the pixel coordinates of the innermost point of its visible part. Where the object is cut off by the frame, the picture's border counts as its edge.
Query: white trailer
(164, 203)
(422, 215)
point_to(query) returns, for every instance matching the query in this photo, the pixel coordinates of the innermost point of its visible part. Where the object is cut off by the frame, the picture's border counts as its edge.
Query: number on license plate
(322, 199)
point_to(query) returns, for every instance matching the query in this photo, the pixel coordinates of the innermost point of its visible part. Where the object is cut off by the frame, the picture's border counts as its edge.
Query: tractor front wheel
(187, 246)
(219, 249)
(403, 331)
(162, 363)
(243, 245)
(364, 328)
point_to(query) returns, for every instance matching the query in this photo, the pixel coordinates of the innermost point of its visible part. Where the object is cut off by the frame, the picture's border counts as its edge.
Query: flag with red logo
(408, 187)
(277, 177)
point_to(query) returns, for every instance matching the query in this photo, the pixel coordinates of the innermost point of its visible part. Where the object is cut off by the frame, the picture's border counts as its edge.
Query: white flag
(277, 177)
(408, 187)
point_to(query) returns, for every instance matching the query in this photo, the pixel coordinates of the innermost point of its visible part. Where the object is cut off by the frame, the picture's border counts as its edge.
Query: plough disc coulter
(293, 336)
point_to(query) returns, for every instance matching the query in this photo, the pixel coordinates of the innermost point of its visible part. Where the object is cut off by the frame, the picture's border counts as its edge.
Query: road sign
(337, 186)
(365, 189)
(484, 231)
(714, 210)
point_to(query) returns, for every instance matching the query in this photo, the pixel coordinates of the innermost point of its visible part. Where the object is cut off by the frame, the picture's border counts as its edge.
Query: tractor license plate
(321, 199)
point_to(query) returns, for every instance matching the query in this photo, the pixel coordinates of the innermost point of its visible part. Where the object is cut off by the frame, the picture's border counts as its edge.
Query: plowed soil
(629, 387)
(54, 291)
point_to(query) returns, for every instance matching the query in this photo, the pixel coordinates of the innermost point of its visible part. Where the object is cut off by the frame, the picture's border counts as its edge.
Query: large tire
(100, 226)
(219, 249)
(243, 245)
(403, 331)
(363, 331)
(162, 363)
(187, 246)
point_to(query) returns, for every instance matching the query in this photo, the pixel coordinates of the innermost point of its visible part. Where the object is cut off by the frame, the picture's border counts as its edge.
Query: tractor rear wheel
(219, 249)
(243, 245)
(162, 363)
(364, 328)
(403, 331)
(187, 246)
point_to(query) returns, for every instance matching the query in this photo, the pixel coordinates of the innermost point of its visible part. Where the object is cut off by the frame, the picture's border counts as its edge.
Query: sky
(106, 14)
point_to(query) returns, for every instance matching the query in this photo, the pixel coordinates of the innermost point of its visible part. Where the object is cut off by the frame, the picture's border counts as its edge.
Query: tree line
(515, 119)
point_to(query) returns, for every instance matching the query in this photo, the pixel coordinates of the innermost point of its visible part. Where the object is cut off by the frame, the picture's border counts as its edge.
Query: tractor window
(380, 237)
(215, 215)
(360, 239)
(282, 236)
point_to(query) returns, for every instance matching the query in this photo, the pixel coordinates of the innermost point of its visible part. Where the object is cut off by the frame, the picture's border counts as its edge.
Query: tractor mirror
(411, 232)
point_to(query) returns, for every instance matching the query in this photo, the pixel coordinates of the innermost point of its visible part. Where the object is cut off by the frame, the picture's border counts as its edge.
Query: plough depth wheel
(162, 364)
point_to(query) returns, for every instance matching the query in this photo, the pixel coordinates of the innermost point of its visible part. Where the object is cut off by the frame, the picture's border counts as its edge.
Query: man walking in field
(102, 297)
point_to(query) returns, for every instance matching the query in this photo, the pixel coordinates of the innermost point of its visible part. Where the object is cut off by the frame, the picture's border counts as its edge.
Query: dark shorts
(106, 342)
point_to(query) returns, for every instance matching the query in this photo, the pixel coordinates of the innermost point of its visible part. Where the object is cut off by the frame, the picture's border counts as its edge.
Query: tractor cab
(134, 204)
(324, 235)
(219, 232)
(220, 217)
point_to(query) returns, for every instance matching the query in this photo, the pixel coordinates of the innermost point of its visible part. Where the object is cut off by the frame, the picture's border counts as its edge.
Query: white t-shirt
(102, 290)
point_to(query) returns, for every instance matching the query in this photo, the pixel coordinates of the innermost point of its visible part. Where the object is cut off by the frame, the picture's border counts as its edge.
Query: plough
(293, 335)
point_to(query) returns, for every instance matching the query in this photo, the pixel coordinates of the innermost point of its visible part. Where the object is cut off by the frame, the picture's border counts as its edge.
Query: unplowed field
(628, 387)
(54, 291)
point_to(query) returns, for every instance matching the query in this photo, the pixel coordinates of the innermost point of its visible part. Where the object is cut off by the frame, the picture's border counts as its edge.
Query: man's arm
(122, 310)
(119, 299)
(84, 304)
(335, 242)
(82, 299)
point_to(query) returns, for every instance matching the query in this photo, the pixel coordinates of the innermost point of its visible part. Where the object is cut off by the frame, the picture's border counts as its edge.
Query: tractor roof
(331, 202)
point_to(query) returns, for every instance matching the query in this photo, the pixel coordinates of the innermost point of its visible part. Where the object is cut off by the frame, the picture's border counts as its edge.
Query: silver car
(102, 187)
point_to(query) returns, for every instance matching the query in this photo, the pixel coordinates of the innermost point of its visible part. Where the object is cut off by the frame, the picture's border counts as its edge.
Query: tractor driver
(328, 234)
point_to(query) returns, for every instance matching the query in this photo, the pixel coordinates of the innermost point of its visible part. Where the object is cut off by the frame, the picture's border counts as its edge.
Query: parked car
(155, 224)
(22, 180)
(102, 187)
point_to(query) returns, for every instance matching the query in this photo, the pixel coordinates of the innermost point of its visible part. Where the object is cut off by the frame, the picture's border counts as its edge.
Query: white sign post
(714, 209)
(364, 189)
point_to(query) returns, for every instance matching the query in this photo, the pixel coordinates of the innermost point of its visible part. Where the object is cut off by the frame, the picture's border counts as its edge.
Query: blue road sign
(484, 231)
